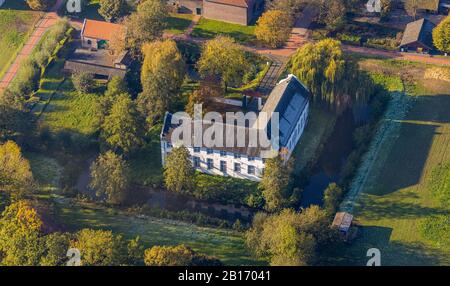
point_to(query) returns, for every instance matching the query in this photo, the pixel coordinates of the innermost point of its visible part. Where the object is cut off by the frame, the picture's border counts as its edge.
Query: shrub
(83, 82)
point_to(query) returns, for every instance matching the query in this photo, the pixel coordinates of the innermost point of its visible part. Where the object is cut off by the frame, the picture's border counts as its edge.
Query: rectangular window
(237, 167)
(223, 166)
(237, 156)
(251, 170)
(210, 163)
(209, 151)
(251, 158)
(196, 149)
(223, 153)
(196, 161)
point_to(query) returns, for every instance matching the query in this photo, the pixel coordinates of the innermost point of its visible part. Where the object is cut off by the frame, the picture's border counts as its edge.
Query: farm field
(396, 198)
(16, 25)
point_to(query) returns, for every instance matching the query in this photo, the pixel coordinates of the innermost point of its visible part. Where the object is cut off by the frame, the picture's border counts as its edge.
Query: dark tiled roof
(418, 31)
(288, 98)
(168, 129)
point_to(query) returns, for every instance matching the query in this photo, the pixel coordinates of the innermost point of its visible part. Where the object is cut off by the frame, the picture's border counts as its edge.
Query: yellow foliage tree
(273, 28)
(15, 171)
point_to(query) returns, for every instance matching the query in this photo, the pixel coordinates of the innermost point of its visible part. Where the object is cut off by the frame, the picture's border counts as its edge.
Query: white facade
(222, 163)
(288, 99)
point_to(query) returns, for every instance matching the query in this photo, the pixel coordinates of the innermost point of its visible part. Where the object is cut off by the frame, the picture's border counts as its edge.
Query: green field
(210, 28)
(227, 246)
(396, 199)
(16, 25)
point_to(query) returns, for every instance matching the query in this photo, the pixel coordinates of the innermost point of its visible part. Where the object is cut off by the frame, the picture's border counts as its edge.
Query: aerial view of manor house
(225, 133)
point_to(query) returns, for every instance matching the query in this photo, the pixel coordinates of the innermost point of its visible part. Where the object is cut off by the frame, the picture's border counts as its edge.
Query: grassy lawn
(178, 23)
(319, 127)
(396, 198)
(16, 25)
(225, 245)
(71, 111)
(210, 28)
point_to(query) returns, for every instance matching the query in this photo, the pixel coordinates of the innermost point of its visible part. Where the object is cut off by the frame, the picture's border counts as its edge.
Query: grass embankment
(16, 25)
(397, 208)
(210, 28)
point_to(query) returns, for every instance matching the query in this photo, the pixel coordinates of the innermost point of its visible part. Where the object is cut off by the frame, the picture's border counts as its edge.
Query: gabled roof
(101, 30)
(289, 99)
(238, 3)
(418, 31)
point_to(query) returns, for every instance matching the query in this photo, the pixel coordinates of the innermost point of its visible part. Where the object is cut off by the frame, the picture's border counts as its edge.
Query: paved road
(48, 20)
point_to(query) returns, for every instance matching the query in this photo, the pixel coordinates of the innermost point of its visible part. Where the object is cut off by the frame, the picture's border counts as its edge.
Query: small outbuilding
(418, 36)
(343, 223)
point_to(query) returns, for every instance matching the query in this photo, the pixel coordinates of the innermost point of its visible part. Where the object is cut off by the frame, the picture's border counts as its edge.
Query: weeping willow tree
(334, 81)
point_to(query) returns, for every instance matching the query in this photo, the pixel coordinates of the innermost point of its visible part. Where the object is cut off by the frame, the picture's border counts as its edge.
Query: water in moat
(333, 157)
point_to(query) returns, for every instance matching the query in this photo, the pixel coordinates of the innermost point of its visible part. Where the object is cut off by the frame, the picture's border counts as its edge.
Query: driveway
(48, 20)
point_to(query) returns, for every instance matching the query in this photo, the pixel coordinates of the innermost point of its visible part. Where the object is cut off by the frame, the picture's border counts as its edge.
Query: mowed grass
(210, 28)
(178, 23)
(16, 25)
(226, 245)
(396, 198)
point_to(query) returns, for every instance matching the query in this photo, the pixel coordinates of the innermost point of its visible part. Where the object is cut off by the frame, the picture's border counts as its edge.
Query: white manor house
(290, 98)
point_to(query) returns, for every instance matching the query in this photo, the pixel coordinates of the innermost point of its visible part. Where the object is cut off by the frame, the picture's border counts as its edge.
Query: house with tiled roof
(241, 12)
(96, 34)
(92, 54)
(418, 36)
(286, 109)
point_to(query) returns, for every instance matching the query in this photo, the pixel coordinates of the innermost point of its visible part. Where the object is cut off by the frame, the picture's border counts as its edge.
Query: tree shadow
(407, 158)
(374, 209)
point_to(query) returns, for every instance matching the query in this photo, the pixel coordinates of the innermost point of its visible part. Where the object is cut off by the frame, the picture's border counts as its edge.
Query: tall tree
(147, 23)
(204, 95)
(275, 183)
(15, 172)
(334, 80)
(162, 75)
(110, 177)
(441, 35)
(20, 230)
(222, 59)
(333, 13)
(274, 28)
(178, 171)
(289, 237)
(83, 82)
(100, 248)
(122, 129)
(111, 9)
(179, 255)
(15, 120)
(55, 249)
(331, 198)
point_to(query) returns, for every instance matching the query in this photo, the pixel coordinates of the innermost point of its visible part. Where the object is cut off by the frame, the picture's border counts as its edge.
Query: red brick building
(241, 12)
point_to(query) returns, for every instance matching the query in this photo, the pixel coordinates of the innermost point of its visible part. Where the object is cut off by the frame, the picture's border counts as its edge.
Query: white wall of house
(250, 168)
(298, 131)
